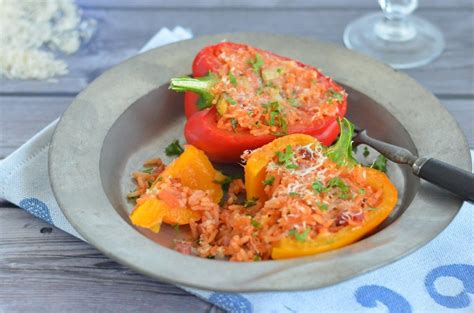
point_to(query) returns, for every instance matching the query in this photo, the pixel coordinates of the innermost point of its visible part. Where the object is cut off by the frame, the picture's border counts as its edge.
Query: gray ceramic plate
(128, 115)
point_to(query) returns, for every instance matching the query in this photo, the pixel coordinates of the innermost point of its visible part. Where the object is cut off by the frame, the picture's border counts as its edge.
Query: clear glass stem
(396, 25)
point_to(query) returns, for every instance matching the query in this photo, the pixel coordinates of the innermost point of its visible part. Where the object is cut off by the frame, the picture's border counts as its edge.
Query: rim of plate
(75, 150)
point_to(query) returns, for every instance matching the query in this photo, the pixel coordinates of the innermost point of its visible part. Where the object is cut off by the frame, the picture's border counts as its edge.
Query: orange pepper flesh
(194, 170)
(288, 247)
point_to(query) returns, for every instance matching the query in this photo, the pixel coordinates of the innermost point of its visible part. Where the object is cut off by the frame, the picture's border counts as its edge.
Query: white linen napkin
(437, 278)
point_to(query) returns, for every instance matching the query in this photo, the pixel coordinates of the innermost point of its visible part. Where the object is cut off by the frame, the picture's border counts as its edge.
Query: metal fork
(444, 175)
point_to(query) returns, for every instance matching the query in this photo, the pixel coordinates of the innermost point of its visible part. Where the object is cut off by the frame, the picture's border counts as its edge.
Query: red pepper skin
(227, 146)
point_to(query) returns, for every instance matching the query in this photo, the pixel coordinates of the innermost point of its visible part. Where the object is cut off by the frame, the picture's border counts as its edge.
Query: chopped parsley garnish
(362, 191)
(225, 182)
(269, 180)
(294, 194)
(318, 186)
(380, 164)
(176, 227)
(257, 258)
(147, 170)
(174, 148)
(299, 236)
(255, 223)
(231, 101)
(249, 203)
(322, 206)
(294, 102)
(334, 95)
(338, 183)
(345, 196)
(232, 79)
(256, 63)
(366, 152)
(279, 70)
(273, 115)
(233, 123)
(285, 158)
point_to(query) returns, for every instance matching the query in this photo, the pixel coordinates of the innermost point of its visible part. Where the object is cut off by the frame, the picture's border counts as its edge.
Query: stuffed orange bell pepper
(170, 198)
(242, 97)
(315, 199)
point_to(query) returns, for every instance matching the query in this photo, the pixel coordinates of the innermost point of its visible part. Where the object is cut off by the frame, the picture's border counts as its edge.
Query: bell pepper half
(203, 108)
(194, 170)
(341, 155)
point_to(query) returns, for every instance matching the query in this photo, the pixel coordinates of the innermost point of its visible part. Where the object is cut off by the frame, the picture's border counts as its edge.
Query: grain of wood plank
(337, 4)
(121, 33)
(55, 272)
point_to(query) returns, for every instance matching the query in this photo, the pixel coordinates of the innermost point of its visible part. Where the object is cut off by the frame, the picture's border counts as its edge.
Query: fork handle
(449, 177)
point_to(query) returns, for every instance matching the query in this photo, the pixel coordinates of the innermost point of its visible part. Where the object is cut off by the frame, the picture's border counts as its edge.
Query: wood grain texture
(42, 271)
(122, 32)
(336, 4)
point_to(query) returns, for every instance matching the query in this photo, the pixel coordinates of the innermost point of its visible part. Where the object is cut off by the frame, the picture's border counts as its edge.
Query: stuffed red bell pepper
(243, 97)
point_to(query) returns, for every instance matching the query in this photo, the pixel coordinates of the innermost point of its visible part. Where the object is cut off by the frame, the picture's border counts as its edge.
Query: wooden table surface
(45, 269)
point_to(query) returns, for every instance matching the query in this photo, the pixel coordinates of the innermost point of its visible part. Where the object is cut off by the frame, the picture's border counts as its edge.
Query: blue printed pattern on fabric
(36, 207)
(463, 272)
(369, 295)
(231, 302)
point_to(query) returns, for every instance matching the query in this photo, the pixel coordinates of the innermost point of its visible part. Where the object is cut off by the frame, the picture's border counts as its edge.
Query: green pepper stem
(201, 85)
(341, 151)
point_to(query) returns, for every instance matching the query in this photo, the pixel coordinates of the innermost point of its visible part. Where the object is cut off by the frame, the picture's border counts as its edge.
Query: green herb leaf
(338, 183)
(334, 95)
(231, 101)
(380, 164)
(283, 126)
(256, 63)
(273, 115)
(232, 79)
(255, 223)
(299, 236)
(249, 203)
(345, 196)
(234, 123)
(362, 191)
(285, 158)
(147, 170)
(341, 151)
(318, 186)
(294, 194)
(176, 227)
(174, 149)
(224, 182)
(322, 206)
(269, 180)
(293, 102)
(257, 258)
